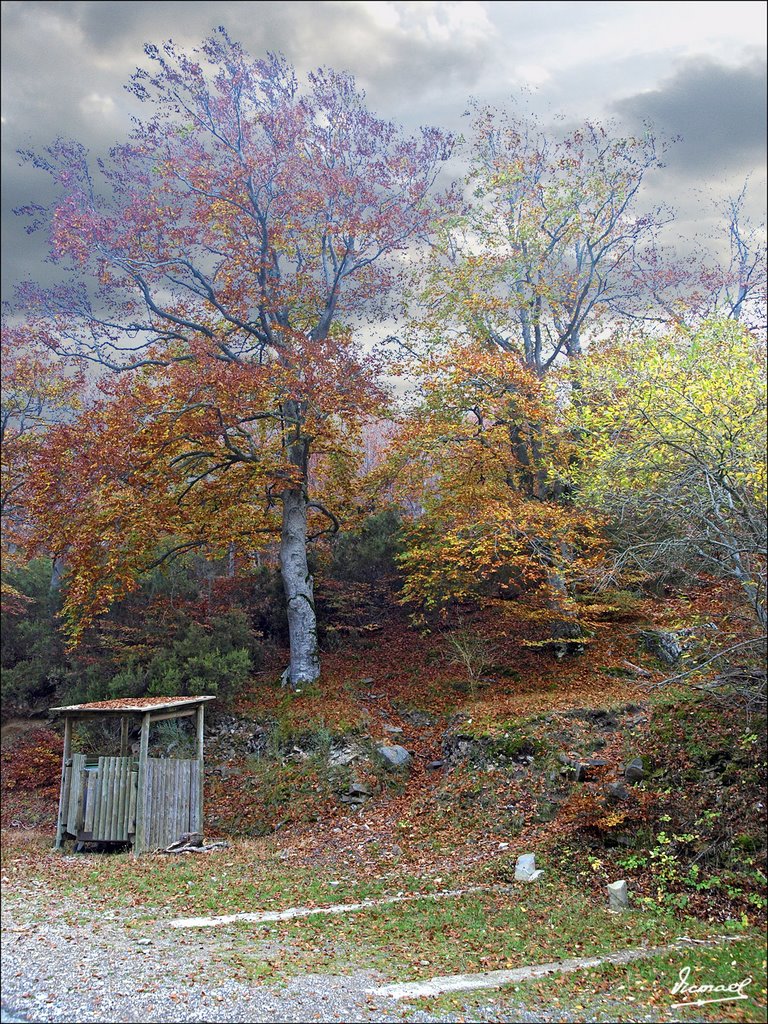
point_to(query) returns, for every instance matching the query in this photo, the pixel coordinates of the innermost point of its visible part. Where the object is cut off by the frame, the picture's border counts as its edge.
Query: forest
(385, 457)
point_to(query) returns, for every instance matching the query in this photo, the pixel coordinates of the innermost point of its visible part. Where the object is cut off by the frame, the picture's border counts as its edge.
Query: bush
(32, 650)
(370, 554)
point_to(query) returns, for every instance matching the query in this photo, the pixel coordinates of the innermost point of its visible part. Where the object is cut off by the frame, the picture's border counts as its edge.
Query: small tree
(672, 437)
(481, 457)
(216, 256)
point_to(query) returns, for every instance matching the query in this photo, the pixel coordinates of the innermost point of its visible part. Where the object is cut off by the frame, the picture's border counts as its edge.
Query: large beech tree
(217, 255)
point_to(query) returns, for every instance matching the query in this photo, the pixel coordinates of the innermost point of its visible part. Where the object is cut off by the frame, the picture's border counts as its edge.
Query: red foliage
(34, 763)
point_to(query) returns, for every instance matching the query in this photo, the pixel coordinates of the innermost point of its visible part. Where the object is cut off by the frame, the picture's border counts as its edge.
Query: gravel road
(104, 971)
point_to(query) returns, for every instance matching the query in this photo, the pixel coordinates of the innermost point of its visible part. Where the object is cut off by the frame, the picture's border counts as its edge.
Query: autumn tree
(220, 255)
(481, 456)
(550, 241)
(37, 393)
(672, 439)
(544, 250)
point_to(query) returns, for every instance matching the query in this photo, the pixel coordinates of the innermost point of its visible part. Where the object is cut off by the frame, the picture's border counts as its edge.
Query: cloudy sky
(697, 70)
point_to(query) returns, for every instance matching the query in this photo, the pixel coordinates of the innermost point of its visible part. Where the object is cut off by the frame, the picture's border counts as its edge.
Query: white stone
(618, 898)
(525, 867)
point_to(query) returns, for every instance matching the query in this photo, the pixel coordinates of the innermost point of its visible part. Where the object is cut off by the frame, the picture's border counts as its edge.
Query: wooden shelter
(149, 802)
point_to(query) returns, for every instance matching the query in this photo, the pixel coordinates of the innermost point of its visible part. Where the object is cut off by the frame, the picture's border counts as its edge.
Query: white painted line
(266, 916)
(495, 979)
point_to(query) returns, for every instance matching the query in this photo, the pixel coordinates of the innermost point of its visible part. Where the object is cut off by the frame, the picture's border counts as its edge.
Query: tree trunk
(297, 581)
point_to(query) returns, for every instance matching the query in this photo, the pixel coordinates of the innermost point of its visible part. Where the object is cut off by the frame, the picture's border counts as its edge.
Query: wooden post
(63, 795)
(197, 826)
(142, 797)
(124, 736)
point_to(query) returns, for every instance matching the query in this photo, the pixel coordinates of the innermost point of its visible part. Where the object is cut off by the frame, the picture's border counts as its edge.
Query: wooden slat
(80, 809)
(117, 780)
(76, 784)
(141, 802)
(133, 793)
(194, 809)
(105, 765)
(63, 789)
(172, 714)
(179, 827)
(184, 794)
(91, 800)
(122, 803)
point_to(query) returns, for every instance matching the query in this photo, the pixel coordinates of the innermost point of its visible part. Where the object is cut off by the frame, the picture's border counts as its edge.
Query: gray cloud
(65, 64)
(720, 112)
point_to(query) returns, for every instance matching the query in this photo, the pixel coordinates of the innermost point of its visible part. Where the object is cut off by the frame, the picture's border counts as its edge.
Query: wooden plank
(132, 793)
(119, 801)
(167, 805)
(184, 795)
(200, 764)
(173, 714)
(109, 822)
(97, 782)
(141, 802)
(63, 792)
(194, 789)
(76, 796)
(123, 799)
(150, 787)
(80, 809)
(158, 803)
(109, 797)
(118, 817)
(179, 824)
(124, 736)
(171, 802)
(91, 798)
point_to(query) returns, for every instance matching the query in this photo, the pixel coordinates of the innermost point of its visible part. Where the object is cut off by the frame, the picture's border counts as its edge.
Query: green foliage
(32, 651)
(214, 659)
(370, 553)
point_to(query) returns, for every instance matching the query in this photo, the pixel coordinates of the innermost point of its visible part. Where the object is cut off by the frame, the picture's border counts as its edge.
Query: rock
(634, 771)
(525, 868)
(341, 756)
(617, 791)
(661, 645)
(434, 765)
(359, 790)
(596, 762)
(394, 729)
(618, 898)
(418, 718)
(394, 756)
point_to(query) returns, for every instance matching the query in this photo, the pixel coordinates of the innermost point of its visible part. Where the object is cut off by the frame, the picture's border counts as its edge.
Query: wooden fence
(100, 800)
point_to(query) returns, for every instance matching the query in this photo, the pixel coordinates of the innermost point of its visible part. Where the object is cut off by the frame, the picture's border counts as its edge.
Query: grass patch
(474, 932)
(628, 992)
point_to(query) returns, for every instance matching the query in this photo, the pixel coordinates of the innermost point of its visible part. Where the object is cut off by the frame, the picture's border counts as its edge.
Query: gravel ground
(102, 971)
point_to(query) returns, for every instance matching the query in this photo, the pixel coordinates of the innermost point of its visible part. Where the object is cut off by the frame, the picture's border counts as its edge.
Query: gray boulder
(394, 756)
(635, 772)
(617, 791)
